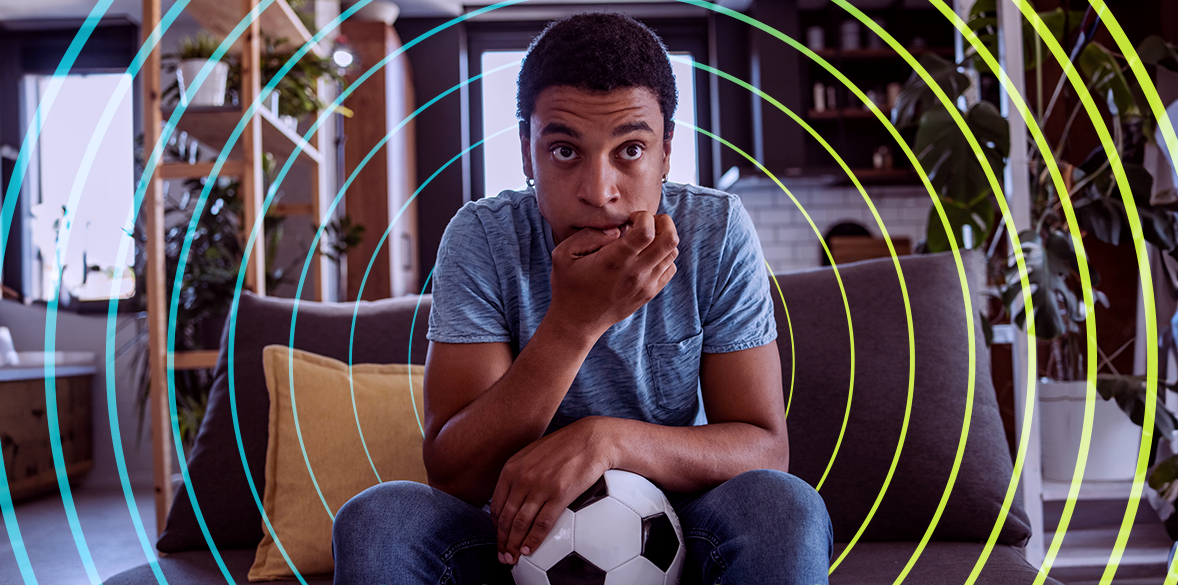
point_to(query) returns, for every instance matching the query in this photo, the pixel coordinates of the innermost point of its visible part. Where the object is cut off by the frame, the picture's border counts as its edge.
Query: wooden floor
(106, 523)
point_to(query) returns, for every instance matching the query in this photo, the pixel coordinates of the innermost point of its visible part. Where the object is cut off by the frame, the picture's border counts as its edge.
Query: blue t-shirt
(491, 284)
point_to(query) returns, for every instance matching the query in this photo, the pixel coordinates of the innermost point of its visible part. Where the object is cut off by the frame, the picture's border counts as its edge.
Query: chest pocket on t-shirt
(674, 369)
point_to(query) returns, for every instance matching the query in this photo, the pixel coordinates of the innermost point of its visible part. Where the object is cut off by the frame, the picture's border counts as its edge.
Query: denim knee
(788, 508)
(390, 508)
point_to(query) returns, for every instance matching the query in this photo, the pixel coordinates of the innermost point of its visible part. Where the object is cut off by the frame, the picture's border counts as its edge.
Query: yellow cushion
(385, 396)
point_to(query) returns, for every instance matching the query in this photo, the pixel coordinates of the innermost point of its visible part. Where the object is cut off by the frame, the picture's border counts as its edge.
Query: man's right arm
(482, 407)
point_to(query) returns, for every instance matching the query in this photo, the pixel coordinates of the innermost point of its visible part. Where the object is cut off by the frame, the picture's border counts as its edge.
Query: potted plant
(194, 53)
(1051, 259)
(297, 93)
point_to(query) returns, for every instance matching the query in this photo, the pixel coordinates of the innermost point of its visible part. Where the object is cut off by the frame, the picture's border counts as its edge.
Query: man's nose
(599, 187)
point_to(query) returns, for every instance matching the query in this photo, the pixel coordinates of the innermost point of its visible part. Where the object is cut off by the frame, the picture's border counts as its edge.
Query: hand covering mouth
(622, 227)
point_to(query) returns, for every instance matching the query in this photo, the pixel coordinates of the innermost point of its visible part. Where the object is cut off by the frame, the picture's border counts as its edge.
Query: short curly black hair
(597, 51)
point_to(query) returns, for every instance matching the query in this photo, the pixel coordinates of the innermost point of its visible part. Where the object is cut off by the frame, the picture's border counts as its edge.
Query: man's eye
(564, 153)
(632, 152)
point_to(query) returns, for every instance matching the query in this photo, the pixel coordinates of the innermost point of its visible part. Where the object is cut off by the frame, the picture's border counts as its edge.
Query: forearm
(468, 452)
(693, 459)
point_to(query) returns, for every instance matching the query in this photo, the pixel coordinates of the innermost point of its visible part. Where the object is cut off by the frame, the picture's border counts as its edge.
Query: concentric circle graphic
(1021, 270)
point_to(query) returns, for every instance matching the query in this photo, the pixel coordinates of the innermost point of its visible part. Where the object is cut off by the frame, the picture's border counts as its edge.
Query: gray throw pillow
(215, 466)
(822, 353)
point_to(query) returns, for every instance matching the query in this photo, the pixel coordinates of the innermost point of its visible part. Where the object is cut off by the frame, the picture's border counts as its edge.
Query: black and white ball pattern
(621, 531)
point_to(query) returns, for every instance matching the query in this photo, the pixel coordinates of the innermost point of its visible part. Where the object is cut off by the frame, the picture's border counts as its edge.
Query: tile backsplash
(788, 240)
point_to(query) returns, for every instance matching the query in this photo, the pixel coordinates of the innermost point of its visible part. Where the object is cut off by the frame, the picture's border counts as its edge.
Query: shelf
(882, 176)
(278, 21)
(848, 113)
(287, 209)
(1148, 545)
(195, 360)
(1055, 491)
(884, 53)
(182, 170)
(213, 125)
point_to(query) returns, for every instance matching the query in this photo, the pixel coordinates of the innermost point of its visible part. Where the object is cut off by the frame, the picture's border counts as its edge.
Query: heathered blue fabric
(491, 284)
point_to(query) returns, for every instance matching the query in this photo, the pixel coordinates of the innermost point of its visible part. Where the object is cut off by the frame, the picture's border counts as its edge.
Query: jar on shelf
(849, 35)
(815, 38)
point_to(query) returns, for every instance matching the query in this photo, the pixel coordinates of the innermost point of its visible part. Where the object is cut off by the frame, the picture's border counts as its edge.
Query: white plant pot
(1115, 440)
(375, 11)
(212, 91)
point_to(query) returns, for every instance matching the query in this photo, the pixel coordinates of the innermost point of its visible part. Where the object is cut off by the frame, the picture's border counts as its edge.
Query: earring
(532, 182)
(664, 178)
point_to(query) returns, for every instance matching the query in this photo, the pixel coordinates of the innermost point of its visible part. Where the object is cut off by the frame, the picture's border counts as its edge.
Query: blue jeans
(759, 527)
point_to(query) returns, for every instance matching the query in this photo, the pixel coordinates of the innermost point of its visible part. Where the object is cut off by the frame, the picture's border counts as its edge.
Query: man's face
(597, 157)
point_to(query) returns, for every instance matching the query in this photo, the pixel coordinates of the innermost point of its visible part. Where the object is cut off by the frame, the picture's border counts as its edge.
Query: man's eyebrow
(558, 128)
(629, 127)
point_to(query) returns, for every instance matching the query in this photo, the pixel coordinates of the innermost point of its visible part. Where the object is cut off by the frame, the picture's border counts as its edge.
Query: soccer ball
(621, 531)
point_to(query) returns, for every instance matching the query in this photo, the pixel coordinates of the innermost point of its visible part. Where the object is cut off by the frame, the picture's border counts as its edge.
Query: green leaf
(983, 22)
(1103, 73)
(980, 218)
(1154, 50)
(1164, 472)
(1157, 226)
(916, 97)
(950, 162)
(1104, 219)
(1129, 392)
(1102, 182)
(1049, 264)
(1101, 211)
(1053, 20)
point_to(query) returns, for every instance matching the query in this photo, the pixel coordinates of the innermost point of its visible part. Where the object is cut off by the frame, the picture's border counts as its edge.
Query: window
(37, 48)
(502, 167)
(90, 265)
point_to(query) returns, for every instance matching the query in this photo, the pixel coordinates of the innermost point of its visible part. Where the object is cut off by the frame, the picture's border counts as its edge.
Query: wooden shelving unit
(213, 127)
(848, 113)
(882, 53)
(852, 131)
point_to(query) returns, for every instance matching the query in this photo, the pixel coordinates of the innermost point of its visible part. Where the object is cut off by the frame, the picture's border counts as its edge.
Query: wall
(790, 243)
(88, 333)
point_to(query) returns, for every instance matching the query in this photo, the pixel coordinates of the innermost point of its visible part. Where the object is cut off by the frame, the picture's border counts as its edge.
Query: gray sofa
(816, 352)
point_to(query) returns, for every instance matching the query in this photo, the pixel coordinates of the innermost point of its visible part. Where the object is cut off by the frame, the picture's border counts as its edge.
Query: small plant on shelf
(194, 54)
(298, 90)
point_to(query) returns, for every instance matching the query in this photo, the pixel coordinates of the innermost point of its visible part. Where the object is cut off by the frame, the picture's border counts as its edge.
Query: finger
(503, 527)
(499, 497)
(663, 223)
(521, 525)
(543, 524)
(666, 275)
(663, 245)
(640, 234)
(586, 241)
(666, 263)
(504, 505)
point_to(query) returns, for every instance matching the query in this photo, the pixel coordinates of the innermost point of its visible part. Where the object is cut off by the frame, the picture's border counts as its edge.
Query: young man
(572, 324)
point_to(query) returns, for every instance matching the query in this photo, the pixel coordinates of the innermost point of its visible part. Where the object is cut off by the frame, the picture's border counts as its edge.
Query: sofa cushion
(939, 563)
(218, 476)
(819, 363)
(355, 427)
